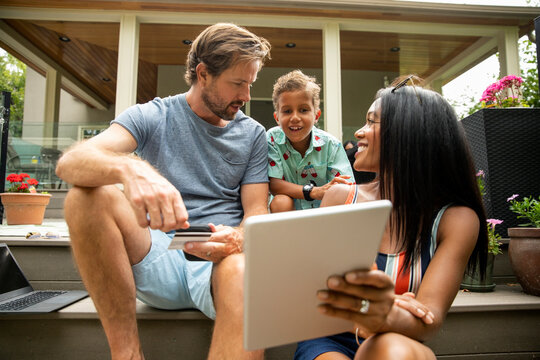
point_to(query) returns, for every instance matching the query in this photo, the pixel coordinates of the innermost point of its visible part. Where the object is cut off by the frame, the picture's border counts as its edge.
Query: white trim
(128, 63)
(194, 18)
(332, 80)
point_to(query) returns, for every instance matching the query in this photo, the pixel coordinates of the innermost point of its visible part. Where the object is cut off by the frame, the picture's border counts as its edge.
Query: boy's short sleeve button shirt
(324, 160)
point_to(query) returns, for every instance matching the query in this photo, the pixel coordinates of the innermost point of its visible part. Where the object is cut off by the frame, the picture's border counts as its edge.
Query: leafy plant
(494, 239)
(504, 93)
(13, 79)
(21, 183)
(528, 208)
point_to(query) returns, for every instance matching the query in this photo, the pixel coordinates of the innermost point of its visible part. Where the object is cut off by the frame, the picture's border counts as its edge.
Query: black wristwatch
(307, 191)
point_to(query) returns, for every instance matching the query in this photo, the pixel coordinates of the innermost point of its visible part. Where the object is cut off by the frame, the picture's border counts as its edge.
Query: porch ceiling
(92, 55)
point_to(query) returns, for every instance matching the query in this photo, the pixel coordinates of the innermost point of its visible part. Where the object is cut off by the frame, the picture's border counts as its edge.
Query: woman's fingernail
(421, 312)
(429, 318)
(333, 282)
(323, 295)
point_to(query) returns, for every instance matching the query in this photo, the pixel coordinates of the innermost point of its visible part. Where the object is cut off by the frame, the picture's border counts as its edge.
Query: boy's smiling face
(296, 116)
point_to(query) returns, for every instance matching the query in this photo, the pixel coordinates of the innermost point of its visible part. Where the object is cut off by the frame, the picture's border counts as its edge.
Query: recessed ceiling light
(187, 42)
(394, 49)
(64, 38)
(106, 79)
(290, 45)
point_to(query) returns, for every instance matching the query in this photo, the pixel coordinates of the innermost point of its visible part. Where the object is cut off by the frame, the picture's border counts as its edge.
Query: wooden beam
(39, 59)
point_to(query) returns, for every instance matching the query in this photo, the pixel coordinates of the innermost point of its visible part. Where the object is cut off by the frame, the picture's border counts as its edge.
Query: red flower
(14, 178)
(21, 183)
(272, 163)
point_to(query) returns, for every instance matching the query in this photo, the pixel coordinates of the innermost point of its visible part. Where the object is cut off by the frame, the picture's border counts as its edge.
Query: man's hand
(225, 241)
(155, 201)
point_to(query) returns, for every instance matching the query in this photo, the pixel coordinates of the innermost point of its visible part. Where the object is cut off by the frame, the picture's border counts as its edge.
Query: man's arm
(106, 159)
(254, 199)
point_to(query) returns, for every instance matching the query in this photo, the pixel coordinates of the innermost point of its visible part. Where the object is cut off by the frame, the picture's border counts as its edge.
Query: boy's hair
(297, 81)
(417, 123)
(220, 46)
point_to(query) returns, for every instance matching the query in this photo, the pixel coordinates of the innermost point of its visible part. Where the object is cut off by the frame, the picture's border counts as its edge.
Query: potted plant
(22, 203)
(473, 282)
(524, 248)
(503, 136)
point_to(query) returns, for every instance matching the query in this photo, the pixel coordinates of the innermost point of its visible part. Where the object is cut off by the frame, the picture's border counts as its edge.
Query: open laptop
(289, 257)
(18, 296)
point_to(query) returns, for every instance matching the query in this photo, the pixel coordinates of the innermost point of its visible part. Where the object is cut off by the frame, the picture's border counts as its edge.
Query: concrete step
(498, 325)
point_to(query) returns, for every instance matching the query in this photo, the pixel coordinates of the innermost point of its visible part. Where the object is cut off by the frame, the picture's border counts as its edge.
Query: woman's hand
(319, 191)
(361, 296)
(408, 302)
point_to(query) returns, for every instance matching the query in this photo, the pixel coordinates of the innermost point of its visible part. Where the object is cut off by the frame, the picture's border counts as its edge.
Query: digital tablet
(289, 257)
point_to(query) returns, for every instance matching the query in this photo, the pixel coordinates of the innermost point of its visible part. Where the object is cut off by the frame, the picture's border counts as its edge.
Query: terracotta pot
(25, 208)
(524, 253)
(472, 282)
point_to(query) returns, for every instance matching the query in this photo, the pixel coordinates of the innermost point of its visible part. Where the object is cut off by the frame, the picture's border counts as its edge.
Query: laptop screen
(11, 277)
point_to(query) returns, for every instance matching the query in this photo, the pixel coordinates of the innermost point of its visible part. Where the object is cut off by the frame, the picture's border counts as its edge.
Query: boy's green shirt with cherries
(324, 159)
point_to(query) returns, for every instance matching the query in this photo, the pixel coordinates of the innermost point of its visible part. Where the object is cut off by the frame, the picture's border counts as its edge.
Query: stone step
(499, 325)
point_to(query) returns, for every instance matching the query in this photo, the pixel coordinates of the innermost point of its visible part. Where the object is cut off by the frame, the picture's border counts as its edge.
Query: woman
(414, 142)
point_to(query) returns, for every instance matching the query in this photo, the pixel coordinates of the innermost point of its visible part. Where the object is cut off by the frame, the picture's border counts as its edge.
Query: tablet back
(289, 256)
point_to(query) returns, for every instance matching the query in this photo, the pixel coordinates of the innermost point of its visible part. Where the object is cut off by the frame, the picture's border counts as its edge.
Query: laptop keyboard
(30, 300)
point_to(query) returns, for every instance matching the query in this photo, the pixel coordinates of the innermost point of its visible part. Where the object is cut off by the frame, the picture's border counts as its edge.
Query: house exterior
(89, 60)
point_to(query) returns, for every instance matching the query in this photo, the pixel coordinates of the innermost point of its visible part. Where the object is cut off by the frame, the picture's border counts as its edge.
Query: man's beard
(215, 105)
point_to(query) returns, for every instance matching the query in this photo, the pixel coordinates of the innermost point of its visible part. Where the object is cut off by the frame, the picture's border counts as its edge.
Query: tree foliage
(13, 79)
(529, 73)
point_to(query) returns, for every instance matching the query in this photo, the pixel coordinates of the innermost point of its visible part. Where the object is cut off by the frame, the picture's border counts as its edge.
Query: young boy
(304, 161)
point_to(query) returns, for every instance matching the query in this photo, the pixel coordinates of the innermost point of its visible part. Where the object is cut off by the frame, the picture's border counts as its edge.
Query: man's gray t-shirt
(206, 163)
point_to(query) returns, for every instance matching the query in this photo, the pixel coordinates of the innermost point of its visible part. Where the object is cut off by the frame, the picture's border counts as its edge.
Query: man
(197, 156)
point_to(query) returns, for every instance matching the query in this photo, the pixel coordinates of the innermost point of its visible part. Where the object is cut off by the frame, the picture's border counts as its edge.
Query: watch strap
(307, 192)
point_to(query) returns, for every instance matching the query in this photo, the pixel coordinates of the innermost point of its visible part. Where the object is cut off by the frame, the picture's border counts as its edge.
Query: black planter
(505, 144)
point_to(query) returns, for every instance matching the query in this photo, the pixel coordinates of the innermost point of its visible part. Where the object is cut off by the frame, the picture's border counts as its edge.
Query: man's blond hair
(220, 46)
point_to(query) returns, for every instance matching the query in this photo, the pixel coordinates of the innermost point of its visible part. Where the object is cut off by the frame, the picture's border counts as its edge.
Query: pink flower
(512, 197)
(494, 221)
(480, 173)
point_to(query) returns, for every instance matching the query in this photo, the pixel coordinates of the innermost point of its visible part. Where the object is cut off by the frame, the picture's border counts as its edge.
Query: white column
(332, 80)
(509, 52)
(128, 61)
(52, 103)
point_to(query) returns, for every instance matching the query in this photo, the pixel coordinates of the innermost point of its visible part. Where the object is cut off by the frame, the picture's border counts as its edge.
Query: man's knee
(281, 203)
(227, 277)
